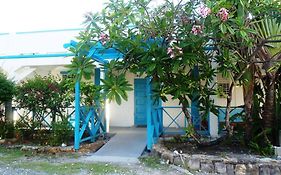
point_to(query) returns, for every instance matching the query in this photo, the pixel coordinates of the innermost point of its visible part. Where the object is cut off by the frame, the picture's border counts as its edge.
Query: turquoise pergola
(92, 119)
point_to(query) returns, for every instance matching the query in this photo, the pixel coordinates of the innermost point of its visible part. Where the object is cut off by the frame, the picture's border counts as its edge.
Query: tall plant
(269, 54)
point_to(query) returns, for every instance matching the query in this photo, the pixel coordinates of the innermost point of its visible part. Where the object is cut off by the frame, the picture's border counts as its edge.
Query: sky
(34, 15)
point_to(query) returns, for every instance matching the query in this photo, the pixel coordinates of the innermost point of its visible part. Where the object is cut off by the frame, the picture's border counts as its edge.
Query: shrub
(7, 130)
(61, 133)
(7, 89)
(43, 95)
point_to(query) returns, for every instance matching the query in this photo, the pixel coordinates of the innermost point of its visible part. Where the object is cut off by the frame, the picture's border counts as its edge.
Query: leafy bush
(61, 133)
(7, 130)
(7, 88)
(43, 95)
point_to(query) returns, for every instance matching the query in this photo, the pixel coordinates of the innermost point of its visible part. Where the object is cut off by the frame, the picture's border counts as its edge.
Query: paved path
(126, 146)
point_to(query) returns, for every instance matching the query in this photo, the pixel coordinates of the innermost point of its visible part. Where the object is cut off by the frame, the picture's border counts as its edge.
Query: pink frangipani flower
(223, 14)
(169, 50)
(173, 51)
(103, 38)
(196, 29)
(204, 11)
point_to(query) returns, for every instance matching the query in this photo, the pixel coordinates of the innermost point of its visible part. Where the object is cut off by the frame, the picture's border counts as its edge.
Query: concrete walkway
(126, 146)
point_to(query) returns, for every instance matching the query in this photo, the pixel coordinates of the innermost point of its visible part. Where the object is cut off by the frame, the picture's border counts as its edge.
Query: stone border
(234, 165)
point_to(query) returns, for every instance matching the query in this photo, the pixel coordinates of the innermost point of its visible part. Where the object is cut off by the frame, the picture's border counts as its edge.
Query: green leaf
(117, 98)
(230, 30)
(223, 28)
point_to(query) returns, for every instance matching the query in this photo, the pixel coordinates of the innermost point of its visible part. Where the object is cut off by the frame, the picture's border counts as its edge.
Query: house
(25, 54)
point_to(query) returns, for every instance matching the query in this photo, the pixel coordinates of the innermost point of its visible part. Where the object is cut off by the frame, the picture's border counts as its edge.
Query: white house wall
(123, 115)
(237, 98)
(173, 112)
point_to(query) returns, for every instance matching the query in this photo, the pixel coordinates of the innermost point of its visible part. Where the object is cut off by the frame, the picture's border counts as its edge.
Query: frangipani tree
(170, 44)
(166, 43)
(269, 55)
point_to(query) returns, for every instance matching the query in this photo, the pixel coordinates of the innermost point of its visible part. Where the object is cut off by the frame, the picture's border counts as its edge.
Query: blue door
(140, 101)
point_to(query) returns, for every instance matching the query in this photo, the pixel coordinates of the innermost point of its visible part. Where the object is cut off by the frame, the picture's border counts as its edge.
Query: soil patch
(86, 147)
(189, 147)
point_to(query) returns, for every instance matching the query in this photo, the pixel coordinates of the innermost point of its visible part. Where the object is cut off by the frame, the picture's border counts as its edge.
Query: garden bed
(216, 160)
(87, 147)
(217, 149)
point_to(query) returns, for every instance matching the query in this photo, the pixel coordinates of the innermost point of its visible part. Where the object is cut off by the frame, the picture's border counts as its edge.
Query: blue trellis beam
(34, 55)
(77, 116)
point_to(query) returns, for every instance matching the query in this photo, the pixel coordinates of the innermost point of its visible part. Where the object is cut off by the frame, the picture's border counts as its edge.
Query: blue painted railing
(155, 123)
(44, 119)
(234, 111)
(154, 118)
(89, 121)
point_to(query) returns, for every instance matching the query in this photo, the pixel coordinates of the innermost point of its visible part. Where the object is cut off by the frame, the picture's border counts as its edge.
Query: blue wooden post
(149, 133)
(97, 76)
(160, 112)
(77, 116)
(195, 103)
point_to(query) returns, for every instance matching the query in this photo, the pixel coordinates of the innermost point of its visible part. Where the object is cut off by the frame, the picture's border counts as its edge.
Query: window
(223, 89)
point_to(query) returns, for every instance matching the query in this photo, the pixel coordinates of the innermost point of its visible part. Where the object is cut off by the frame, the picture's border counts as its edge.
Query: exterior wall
(237, 100)
(173, 112)
(123, 115)
(237, 94)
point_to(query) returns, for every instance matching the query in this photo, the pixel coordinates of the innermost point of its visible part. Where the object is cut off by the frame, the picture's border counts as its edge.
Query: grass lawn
(20, 159)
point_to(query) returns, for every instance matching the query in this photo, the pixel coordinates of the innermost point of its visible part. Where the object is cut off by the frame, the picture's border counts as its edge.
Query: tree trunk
(9, 111)
(186, 114)
(193, 133)
(228, 127)
(248, 101)
(268, 114)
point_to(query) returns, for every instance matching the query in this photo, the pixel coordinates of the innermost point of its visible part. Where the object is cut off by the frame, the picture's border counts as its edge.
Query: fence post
(98, 107)
(77, 116)
(149, 132)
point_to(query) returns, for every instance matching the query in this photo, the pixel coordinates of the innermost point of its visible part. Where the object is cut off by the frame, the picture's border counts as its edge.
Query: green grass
(152, 162)
(72, 168)
(10, 155)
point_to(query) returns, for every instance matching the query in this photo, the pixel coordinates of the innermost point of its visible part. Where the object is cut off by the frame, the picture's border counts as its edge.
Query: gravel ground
(134, 169)
(7, 170)
(17, 163)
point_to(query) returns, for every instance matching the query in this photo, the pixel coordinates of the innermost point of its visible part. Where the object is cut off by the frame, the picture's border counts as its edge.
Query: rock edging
(217, 164)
